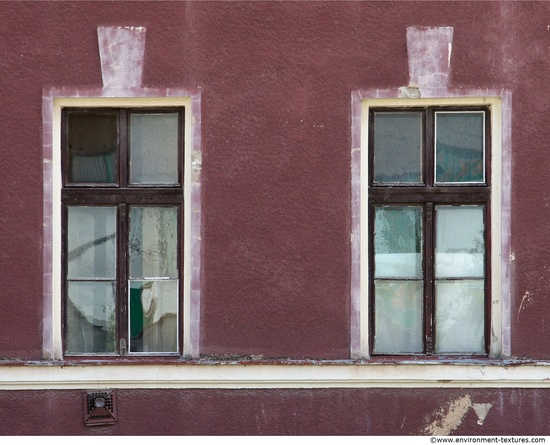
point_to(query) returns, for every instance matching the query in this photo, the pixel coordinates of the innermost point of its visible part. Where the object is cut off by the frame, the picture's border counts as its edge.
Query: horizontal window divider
(112, 197)
(154, 278)
(472, 278)
(439, 196)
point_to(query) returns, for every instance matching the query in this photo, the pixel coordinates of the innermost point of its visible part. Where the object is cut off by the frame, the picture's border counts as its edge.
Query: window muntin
(122, 237)
(429, 280)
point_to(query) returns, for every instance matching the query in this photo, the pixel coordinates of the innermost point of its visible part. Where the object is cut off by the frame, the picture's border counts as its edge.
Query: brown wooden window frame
(427, 195)
(122, 194)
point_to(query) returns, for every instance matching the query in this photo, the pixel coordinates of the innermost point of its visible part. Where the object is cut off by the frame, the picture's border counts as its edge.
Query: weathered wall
(289, 412)
(276, 79)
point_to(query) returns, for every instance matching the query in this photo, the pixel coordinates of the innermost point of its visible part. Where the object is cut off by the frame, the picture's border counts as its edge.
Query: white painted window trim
(53, 103)
(500, 105)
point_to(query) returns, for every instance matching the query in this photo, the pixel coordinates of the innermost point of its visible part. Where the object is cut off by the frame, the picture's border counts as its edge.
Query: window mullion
(123, 147)
(429, 236)
(429, 147)
(122, 279)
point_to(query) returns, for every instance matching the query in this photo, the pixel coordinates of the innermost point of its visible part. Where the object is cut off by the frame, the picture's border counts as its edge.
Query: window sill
(265, 374)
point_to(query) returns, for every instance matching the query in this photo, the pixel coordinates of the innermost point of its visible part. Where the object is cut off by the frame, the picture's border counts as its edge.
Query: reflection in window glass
(398, 317)
(90, 317)
(460, 147)
(398, 286)
(91, 272)
(398, 242)
(91, 242)
(460, 245)
(398, 148)
(459, 303)
(460, 316)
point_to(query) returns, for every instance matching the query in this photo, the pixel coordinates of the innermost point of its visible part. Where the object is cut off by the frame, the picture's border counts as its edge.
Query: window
(429, 216)
(122, 218)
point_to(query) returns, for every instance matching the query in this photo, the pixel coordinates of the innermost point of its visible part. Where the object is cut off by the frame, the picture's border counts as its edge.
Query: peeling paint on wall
(481, 409)
(445, 420)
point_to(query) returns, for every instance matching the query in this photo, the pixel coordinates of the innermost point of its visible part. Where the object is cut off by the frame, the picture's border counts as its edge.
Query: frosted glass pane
(153, 242)
(91, 242)
(460, 245)
(460, 147)
(92, 141)
(398, 148)
(154, 316)
(154, 148)
(90, 322)
(398, 317)
(460, 316)
(398, 242)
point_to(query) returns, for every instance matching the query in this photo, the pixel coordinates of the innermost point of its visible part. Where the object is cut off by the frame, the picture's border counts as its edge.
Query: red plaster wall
(276, 79)
(519, 412)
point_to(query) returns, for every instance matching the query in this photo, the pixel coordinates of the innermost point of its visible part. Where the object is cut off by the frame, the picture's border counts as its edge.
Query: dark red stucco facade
(275, 80)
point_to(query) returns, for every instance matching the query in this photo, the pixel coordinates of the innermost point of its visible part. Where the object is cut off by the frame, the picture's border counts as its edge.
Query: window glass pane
(90, 322)
(459, 245)
(153, 242)
(398, 242)
(398, 148)
(154, 148)
(460, 316)
(398, 317)
(459, 147)
(154, 316)
(91, 242)
(92, 142)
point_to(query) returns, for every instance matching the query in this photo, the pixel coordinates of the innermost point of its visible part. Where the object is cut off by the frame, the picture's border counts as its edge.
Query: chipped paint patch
(526, 301)
(481, 410)
(446, 420)
(410, 92)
